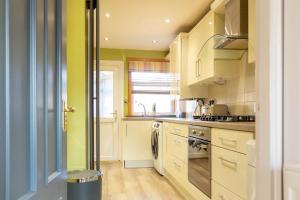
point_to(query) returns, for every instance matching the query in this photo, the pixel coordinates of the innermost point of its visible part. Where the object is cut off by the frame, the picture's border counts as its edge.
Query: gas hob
(227, 118)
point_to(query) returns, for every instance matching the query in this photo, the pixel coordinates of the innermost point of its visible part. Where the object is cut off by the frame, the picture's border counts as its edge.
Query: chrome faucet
(145, 112)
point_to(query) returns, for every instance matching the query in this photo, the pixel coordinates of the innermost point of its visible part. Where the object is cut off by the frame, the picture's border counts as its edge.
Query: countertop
(239, 126)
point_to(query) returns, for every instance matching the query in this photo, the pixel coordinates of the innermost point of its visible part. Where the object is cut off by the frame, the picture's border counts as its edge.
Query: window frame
(130, 88)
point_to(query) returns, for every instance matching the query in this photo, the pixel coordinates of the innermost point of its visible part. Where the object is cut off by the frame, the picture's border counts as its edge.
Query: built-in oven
(199, 158)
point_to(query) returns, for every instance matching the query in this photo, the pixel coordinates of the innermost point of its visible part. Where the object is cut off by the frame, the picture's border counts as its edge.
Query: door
(32, 89)
(110, 100)
(291, 173)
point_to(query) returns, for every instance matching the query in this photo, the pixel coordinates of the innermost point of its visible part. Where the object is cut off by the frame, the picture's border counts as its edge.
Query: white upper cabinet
(251, 29)
(179, 67)
(210, 25)
(205, 63)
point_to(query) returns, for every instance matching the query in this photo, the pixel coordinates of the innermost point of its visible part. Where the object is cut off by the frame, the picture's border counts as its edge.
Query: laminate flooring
(135, 184)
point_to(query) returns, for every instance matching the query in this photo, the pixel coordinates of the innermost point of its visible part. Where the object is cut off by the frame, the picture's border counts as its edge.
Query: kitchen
(189, 111)
(149, 99)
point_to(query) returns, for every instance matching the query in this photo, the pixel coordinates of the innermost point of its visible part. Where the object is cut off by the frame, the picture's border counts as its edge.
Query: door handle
(66, 109)
(69, 109)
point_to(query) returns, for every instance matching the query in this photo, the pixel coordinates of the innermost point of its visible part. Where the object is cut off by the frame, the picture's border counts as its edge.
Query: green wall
(123, 54)
(76, 150)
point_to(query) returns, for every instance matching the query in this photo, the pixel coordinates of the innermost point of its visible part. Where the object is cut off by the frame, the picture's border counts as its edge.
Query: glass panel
(220, 47)
(106, 94)
(163, 103)
(149, 88)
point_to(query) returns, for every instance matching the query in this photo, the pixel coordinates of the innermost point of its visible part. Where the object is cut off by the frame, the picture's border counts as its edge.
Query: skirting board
(138, 163)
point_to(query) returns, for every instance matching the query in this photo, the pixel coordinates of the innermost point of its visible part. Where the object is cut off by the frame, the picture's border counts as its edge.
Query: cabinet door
(177, 146)
(229, 169)
(231, 140)
(251, 24)
(201, 67)
(175, 65)
(197, 38)
(137, 144)
(221, 193)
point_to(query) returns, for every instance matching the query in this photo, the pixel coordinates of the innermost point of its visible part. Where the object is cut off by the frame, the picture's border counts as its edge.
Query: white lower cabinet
(137, 144)
(176, 160)
(177, 168)
(230, 170)
(221, 193)
(229, 164)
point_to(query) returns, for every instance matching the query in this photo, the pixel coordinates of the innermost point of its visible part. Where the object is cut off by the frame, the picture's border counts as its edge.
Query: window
(150, 83)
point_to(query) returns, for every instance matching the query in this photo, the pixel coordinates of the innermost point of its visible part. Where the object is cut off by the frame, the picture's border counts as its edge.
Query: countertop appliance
(215, 109)
(210, 109)
(199, 158)
(198, 108)
(228, 118)
(156, 146)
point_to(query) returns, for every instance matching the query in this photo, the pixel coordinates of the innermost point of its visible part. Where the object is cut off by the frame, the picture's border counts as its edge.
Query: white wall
(291, 100)
(269, 99)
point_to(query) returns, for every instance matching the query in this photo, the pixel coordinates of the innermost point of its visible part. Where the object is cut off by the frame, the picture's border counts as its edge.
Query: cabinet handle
(197, 69)
(221, 197)
(177, 130)
(198, 62)
(228, 142)
(228, 163)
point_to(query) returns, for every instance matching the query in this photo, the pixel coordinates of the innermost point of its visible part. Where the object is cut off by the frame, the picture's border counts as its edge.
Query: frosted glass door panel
(106, 94)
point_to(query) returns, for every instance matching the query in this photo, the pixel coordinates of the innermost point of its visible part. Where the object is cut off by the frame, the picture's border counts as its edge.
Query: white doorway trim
(269, 76)
(120, 66)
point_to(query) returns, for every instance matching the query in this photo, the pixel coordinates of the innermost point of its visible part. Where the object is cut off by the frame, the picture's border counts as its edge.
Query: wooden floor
(135, 184)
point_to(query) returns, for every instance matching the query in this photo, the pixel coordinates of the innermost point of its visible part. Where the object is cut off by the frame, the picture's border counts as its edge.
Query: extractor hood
(236, 26)
(234, 42)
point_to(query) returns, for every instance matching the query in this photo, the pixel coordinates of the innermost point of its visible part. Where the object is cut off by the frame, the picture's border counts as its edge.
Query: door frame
(269, 80)
(120, 66)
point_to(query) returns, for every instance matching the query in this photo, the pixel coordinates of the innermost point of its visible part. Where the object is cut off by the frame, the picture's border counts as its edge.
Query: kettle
(197, 111)
(207, 109)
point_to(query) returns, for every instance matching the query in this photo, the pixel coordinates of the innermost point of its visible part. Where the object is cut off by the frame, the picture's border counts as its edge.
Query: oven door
(199, 164)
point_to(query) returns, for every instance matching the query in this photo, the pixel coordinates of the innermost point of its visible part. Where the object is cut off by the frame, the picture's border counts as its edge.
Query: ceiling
(135, 24)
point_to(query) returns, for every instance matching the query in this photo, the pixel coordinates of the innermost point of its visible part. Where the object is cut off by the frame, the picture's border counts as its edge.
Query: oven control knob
(201, 133)
(194, 132)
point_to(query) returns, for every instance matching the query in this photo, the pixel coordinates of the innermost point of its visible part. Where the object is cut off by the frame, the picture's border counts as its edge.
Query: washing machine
(251, 170)
(157, 146)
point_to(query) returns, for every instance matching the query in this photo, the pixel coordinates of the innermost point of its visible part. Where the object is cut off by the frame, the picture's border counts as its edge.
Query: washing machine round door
(154, 143)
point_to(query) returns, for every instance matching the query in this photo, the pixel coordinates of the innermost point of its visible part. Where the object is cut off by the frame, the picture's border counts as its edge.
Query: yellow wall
(123, 54)
(76, 84)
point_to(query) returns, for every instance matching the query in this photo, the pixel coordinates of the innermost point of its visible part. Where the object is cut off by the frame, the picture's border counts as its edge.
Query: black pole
(97, 88)
(91, 81)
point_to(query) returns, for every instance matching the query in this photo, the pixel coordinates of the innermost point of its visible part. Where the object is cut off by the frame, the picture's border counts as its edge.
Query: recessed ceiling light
(154, 41)
(106, 39)
(210, 23)
(107, 15)
(167, 20)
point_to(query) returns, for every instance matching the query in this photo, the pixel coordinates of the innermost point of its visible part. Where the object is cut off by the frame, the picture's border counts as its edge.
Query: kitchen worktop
(239, 126)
